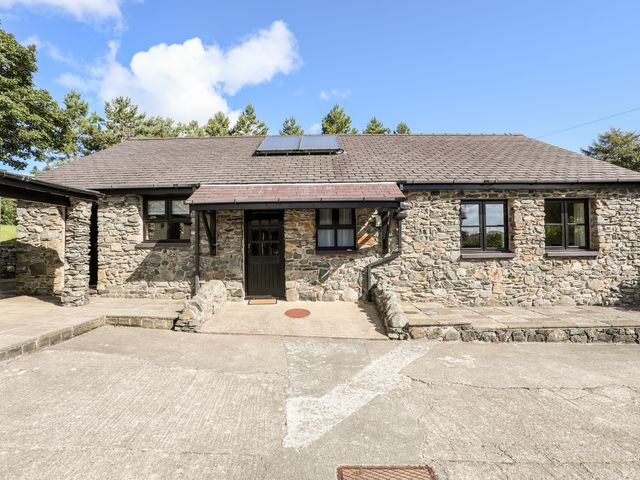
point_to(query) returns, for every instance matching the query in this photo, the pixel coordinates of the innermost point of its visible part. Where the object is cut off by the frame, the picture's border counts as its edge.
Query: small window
(483, 225)
(166, 220)
(336, 229)
(566, 224)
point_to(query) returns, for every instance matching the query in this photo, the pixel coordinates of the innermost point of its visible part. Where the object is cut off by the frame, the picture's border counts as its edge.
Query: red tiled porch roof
(296, 192)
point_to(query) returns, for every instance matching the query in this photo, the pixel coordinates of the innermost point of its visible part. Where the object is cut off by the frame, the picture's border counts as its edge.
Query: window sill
(163, 245)
(337, 252)
(571, 253)
(487, 255)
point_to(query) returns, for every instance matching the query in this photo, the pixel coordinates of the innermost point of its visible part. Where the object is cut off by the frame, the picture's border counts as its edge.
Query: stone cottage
(455, 219)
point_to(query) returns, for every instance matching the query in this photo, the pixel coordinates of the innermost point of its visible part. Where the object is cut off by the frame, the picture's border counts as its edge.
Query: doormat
(297, 313)
(386, 473)
(263, 301)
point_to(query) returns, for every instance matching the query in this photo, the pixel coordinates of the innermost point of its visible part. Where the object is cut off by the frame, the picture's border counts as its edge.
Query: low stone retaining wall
(211, 296)
(7, 261)
(467, 333)
(389, 307)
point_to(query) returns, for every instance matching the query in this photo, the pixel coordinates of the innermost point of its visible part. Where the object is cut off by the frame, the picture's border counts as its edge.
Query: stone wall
(76, 266)
(7, 261)
(206, 303)
(431, 269)
(39, 249)
(312, 275)
(125, 269)
(227, 264)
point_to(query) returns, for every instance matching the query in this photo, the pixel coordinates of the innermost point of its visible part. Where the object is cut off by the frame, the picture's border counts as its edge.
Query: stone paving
(31, 323)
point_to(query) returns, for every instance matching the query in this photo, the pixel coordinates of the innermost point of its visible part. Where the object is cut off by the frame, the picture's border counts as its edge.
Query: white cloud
(84, 10)
(188, 81)
(335, 93)
(50, 50)
(315, 128)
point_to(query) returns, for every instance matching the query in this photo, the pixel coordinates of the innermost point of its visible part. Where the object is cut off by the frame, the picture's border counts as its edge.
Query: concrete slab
(135, 403)
(327, 319)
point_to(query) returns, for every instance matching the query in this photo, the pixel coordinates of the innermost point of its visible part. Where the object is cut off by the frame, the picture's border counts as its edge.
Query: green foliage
(7, 211)
(618, 147)
(218, 125)
(291, 127)
(157, 127)
(122, 119)
(336, 121)
(248, 124)
(31, 122)
(375, 127)
(402, 129)
(191, 129)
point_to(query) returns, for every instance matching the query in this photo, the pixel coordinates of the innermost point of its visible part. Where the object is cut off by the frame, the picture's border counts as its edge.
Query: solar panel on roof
(319, 142)
(281, 143)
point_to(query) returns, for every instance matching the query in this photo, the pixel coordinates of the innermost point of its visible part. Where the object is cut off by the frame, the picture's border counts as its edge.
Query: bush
(8, 212)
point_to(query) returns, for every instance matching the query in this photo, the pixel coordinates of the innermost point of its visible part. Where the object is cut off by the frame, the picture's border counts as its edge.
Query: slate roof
(306, 192)
(434, 159)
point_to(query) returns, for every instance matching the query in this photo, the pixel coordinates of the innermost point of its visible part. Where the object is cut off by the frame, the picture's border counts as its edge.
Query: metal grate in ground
(386, 473)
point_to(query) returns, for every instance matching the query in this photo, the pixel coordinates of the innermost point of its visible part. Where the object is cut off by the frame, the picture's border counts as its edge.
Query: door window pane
(470, 237)
(325, 238)
(344, 216)
(494, 213)
(325, 216)
(470, 213)
(495, 238)
(345, 237)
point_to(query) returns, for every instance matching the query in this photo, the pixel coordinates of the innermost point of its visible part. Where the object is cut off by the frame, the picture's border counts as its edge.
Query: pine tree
(191, 129)
(122, 119)
(375, 127)
(402, 129)
(157, 127)
(336, 121)
(248, 124)
(618, 147)
(218, 125)
(291, 127)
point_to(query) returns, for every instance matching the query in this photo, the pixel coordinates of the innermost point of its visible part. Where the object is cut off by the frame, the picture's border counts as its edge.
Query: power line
(589, 122)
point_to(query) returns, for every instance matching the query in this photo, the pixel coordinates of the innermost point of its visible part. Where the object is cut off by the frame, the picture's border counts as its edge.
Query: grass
(7, 233)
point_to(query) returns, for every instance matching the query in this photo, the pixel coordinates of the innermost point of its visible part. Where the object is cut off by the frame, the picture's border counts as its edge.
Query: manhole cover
(386, 473)
(297, 313)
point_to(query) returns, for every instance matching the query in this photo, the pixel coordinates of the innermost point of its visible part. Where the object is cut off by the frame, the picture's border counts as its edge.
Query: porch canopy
(23, 187)
(296, 195)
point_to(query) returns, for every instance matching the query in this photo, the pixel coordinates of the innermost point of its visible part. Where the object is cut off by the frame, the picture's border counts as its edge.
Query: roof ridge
(444, 134)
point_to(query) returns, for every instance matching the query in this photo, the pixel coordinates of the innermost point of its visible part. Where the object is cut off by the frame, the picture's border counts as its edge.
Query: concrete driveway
(134, 403)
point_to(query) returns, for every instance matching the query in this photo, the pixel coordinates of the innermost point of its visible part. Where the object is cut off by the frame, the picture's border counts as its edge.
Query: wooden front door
(264, 253)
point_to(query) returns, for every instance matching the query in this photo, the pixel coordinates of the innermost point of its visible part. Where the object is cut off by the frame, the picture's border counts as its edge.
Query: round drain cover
(297, 313)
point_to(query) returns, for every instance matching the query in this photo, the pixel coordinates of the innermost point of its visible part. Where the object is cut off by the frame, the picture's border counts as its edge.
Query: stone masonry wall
(7, 261)
(311, 275)
(39, 249)
(431, 269)
(127, 270)
(76, 266)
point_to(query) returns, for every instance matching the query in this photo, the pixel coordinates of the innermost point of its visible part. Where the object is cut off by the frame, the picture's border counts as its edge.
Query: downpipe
(399, 217)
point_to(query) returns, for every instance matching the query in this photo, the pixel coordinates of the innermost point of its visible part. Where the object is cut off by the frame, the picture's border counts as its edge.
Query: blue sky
(448, 66)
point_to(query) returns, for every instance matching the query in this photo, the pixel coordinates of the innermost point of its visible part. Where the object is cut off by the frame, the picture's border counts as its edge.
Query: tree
(158, 127)
(291, 127)
(402, 129)
(336, 121)
(218, 125)
(248, 124)
(375, 127)
(191, 129)
(618, 147)
(7, 211)
(31, 122)
(122, 119)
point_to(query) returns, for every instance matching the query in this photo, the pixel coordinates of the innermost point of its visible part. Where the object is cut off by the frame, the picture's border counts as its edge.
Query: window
(566, 223)
(166, 220)
(483, 225)
(336, 229)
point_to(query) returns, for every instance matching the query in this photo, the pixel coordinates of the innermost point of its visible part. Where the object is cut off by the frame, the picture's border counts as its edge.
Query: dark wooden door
(93, 247)
(264, 253)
